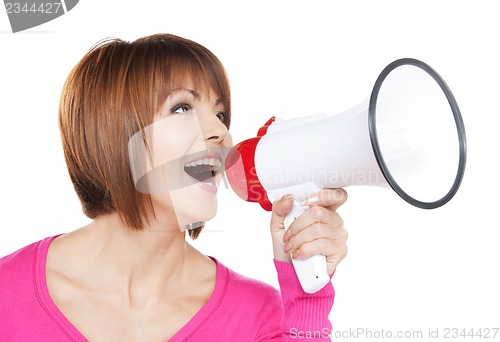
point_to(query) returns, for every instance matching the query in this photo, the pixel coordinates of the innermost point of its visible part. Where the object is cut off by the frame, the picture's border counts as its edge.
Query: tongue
(200, 172)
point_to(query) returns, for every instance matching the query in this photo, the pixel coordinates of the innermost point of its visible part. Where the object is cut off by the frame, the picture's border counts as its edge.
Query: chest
(106, 317)
(156, 324)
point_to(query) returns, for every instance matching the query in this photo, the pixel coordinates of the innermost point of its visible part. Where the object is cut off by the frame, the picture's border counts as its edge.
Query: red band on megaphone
(263, 130)
(242, 175)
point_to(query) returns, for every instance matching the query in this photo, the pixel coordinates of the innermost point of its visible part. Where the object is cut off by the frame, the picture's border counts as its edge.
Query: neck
(138, 264)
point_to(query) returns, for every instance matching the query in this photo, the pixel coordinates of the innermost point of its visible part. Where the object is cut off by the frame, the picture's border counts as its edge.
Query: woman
(144, 127)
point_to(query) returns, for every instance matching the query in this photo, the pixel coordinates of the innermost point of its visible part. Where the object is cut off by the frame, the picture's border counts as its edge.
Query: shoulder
(18, 261)
(17, 279)
(24, 312)
(239, 306)
(247, 307)
(17, 270)
(250, 292)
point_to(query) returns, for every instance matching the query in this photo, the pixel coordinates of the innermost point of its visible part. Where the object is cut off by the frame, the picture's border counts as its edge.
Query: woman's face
(188, 143)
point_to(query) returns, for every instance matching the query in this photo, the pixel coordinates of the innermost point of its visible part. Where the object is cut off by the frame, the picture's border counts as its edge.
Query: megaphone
(409, 136)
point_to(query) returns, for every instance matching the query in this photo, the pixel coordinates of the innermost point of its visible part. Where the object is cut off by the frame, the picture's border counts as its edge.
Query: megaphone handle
(312, 272)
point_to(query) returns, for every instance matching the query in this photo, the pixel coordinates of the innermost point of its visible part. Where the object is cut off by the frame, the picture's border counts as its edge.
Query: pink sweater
(239, 309)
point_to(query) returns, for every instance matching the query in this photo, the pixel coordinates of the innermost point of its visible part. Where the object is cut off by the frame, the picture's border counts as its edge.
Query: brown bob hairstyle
(114, 92)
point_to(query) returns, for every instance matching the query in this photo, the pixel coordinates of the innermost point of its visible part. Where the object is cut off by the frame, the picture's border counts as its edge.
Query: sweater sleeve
(305, 316)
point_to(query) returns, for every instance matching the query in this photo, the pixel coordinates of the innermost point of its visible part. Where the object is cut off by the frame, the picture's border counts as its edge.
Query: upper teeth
(215, 163)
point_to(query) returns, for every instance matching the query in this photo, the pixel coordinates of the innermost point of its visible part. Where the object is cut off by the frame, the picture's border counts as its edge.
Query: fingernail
(288, 196)
(288, 248)
(310, 201)
(287, 235)
(339, 194)
(295, 254)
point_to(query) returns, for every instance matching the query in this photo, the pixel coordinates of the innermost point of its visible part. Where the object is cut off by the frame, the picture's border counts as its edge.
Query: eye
(223, 117)
(181, 108)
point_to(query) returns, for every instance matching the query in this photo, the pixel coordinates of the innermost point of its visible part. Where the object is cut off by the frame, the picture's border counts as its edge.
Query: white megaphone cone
(409, 136)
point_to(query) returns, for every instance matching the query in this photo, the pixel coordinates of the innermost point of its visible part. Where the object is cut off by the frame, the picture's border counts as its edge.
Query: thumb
(281, 207)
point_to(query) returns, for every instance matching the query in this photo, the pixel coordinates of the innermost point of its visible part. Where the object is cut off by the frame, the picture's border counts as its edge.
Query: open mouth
(204, 169)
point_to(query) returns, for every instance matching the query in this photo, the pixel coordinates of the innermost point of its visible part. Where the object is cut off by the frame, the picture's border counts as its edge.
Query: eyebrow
(194, 93)
(197, 96)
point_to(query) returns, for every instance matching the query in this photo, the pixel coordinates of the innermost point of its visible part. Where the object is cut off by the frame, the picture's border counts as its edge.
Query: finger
(329, 248)
(313, 215)
(328, 198)
(281, 207)
(317, 231)
(334, 251)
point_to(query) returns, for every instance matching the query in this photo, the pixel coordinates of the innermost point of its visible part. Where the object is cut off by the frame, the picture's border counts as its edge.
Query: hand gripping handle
(312, 272)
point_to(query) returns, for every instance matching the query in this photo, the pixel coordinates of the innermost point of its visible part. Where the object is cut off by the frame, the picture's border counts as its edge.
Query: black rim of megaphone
(375, 143)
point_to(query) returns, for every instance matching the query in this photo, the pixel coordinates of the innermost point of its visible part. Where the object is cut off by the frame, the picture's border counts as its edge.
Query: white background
(407, 268)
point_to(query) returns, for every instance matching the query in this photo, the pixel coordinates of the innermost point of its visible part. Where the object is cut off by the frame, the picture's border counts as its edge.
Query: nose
(214, 131)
